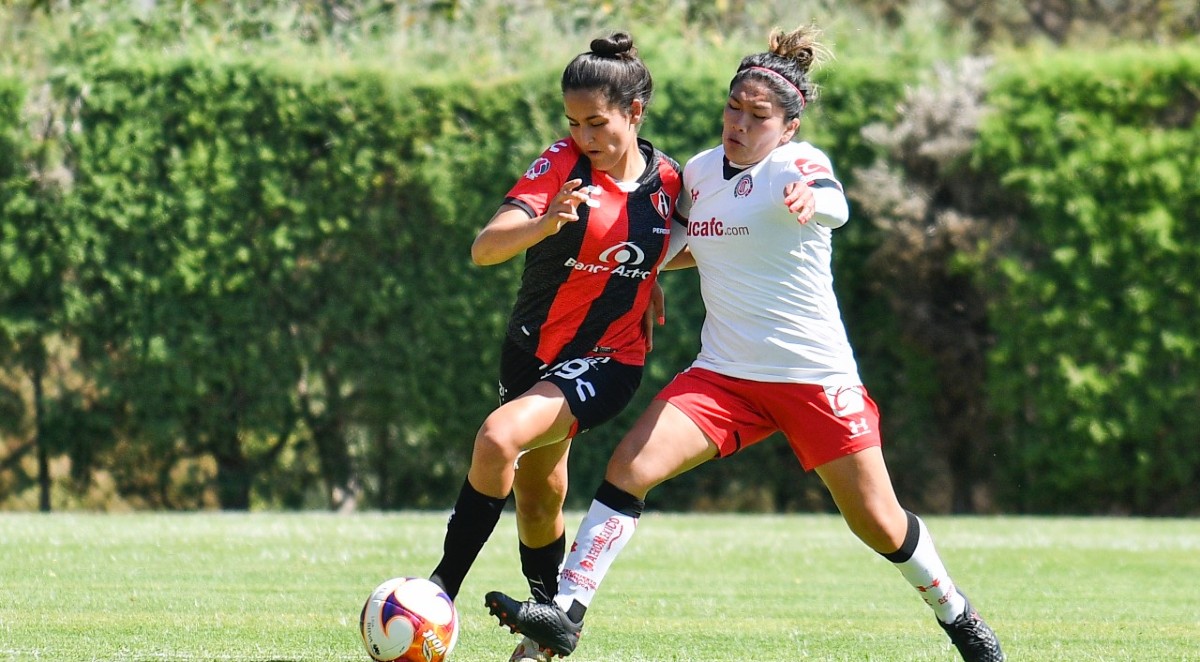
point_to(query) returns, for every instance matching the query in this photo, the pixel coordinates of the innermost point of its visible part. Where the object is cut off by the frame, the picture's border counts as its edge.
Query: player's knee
(635, 476)
(541, 506)
(875, 533)
(494, 443)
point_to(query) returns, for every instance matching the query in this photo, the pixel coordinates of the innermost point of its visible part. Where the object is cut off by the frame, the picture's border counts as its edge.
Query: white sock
(924, 570)
(602, 535)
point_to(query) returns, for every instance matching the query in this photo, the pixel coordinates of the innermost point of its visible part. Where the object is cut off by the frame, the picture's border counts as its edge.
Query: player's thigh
(862, 489)
(663, 443)
(536, 418)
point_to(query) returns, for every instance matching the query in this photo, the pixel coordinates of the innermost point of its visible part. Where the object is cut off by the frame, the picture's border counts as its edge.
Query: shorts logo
(845, 400)
(848, 402)
(859, 427)
(662, 203)
(744, 186)
(538, 168)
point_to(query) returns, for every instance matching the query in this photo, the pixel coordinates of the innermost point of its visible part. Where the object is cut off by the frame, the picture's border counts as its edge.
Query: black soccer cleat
(546, 624)
(975, 641)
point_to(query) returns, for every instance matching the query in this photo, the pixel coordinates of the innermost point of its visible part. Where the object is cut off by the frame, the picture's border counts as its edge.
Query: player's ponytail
(799, 45)
(785, 67)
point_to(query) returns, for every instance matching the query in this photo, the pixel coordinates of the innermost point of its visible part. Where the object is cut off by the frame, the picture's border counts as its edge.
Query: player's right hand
(564, 207)
(656, 313)
(800, 201)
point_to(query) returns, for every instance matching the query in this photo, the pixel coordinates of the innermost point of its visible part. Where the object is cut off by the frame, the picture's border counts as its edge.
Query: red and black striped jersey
(584, 290)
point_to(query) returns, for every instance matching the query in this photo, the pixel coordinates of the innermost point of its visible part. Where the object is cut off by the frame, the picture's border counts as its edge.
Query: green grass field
(288, 588)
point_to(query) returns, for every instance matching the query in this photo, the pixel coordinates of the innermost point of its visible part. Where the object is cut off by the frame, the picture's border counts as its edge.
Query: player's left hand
(800, 201)
(656, 313)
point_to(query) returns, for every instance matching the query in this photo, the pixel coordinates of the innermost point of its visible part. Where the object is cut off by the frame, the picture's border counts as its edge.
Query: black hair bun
(616, 45)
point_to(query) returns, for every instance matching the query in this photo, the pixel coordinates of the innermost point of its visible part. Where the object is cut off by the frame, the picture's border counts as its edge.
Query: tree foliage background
(234, 266)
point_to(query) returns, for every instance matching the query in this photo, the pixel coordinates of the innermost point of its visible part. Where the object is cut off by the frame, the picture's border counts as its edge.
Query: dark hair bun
(616, 45)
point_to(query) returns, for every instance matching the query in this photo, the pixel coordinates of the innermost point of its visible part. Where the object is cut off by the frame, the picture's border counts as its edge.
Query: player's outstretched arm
(511, 231)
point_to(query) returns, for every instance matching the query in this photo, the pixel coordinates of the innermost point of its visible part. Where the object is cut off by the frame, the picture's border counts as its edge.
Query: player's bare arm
(511, 231)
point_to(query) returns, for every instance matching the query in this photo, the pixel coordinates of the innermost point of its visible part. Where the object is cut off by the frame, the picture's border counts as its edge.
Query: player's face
(605, 133)
(754, 123)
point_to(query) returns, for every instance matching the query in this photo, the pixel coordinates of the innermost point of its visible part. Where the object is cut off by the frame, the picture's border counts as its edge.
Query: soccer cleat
(975, 641)
(529, 651)
(546, 624)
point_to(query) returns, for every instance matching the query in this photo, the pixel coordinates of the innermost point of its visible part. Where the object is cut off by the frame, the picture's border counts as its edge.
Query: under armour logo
(934, 584)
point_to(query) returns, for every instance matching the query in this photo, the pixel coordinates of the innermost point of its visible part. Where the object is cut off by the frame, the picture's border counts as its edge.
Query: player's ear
(790, 130)
(636, 109)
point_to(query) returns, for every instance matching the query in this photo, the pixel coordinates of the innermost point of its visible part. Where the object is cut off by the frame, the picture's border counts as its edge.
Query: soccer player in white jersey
(775, 357)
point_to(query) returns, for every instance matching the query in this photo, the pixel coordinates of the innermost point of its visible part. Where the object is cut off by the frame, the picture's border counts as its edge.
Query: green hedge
(266, 266)
(1093, 379)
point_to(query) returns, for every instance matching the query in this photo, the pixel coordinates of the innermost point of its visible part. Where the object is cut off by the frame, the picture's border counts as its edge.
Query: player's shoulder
(793, 151)
(563, 149)
(561, 154)
(800, 159)
(663, 157)
(660, 158)
(706, 158)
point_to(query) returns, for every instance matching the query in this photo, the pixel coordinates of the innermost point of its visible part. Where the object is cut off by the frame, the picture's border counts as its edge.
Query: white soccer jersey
(771, 313)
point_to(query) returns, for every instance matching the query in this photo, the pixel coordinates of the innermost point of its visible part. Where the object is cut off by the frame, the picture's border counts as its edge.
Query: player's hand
(656, 313)
(800, 201)
(564, 207)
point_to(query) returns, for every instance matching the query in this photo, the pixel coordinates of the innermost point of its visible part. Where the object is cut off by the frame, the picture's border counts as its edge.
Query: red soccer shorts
(821, 423)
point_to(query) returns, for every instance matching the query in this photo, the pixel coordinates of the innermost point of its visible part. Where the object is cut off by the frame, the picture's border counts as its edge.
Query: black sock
(576, 612)
(911, 537)
(540, 566)
(471, 524)
(619, 500)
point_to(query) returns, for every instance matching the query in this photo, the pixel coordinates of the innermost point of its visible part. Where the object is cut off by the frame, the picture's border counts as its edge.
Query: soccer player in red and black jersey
(593, 216)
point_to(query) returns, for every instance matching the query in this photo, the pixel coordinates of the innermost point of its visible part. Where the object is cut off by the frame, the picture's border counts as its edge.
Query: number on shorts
(572, 369)
(580, 386)
(575, 369)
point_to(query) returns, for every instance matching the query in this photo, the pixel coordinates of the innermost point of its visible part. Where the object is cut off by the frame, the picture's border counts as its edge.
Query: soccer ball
(409, 619)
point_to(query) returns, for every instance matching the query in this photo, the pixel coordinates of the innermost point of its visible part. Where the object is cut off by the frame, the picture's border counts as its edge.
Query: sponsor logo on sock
(609, 534)
(579, 579)
(934, 584)
(942, 590)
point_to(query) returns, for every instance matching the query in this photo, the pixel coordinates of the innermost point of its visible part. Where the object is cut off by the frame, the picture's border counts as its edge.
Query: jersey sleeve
(678, 239)
(814, 168)
(683, 202)
(543, 179)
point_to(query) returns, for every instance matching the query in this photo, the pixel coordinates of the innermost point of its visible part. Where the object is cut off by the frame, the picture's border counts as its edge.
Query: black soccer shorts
(596, 388)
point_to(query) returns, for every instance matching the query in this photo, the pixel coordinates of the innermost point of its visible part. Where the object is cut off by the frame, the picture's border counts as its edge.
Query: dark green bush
(265, 270)
(1093, 384)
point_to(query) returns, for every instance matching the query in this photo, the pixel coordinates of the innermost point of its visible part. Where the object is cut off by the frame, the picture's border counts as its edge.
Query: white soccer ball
(409, 619)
